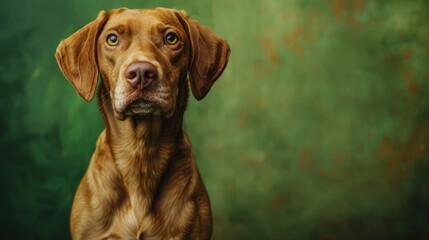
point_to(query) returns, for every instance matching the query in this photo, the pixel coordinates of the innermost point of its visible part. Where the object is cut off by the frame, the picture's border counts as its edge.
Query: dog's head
(144, 57)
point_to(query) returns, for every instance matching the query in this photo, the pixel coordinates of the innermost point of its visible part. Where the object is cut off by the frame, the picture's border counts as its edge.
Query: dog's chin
(141, 108)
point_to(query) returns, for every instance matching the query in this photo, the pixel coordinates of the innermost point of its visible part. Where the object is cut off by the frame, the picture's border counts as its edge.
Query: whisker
(105, 102)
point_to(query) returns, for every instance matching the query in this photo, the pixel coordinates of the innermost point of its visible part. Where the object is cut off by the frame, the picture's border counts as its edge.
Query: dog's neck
(143, 146)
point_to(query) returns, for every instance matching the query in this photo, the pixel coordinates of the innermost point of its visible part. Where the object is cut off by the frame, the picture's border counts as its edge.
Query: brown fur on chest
(130, 209)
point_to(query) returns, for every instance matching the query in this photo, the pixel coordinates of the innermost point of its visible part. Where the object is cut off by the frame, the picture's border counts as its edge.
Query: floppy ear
(209, 55)
(76, 56)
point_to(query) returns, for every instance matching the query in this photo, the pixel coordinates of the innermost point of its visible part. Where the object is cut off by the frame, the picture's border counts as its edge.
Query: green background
(318, 128)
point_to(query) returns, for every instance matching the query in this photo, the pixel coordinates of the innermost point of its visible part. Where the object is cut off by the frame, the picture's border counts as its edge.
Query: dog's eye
(171, 39)
(112, 40)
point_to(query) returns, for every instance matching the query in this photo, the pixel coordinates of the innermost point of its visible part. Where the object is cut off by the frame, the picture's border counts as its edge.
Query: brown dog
(142, 181)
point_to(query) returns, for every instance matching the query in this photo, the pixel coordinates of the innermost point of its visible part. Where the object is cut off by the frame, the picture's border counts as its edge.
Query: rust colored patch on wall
(278, 201)
(386, 148)
(410, 84)
(358, 5)
(406, 54)
(307, 162)
(270, 50)
(342, 8)
(400, 157)
(292, 40)
(242, 121)
(338, 7)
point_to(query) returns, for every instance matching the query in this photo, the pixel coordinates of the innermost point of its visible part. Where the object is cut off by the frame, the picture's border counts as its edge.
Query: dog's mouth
(142, 106)
(137, 104)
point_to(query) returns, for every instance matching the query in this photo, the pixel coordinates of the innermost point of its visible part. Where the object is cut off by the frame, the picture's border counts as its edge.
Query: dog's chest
(139, 223)
(133, 221)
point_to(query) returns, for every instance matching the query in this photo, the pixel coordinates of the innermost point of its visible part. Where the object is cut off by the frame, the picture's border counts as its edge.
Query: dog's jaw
(138, 103)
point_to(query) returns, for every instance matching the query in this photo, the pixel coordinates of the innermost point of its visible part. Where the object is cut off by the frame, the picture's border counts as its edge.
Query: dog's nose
(141, 73)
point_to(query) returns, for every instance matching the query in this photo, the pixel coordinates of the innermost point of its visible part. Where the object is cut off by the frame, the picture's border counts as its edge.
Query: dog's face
(142, 54)
(144, 57)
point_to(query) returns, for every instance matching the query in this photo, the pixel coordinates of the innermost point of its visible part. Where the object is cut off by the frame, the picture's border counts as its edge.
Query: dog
(142, 181)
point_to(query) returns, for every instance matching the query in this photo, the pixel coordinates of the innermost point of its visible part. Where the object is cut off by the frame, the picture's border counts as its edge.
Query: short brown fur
(142, 181)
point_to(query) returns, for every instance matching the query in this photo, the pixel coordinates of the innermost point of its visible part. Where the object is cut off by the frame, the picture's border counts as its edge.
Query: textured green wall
(318, 128)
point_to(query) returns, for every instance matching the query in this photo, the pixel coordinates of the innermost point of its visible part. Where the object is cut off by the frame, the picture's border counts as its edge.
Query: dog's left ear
(209, 55)
(76, 56)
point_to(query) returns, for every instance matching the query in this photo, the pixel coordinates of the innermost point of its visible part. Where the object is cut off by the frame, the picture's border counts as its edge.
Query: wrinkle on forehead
(144, 17)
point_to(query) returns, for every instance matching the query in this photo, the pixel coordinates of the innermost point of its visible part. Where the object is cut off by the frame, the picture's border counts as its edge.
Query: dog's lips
(141, 106)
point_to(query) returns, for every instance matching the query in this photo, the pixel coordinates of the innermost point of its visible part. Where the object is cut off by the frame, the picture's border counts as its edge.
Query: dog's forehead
(142, 17)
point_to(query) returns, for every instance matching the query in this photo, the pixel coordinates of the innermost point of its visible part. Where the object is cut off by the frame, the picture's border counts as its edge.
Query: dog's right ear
(76, 56)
